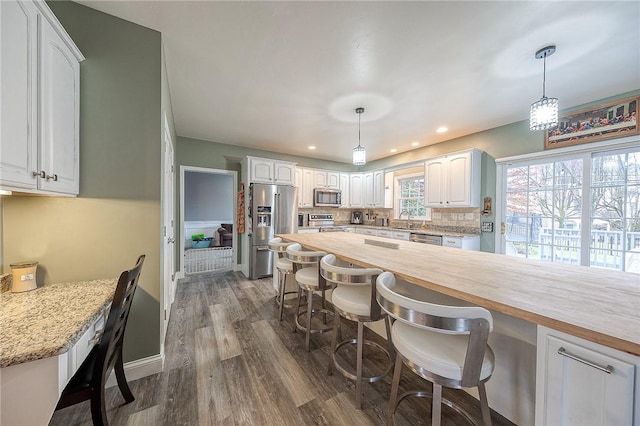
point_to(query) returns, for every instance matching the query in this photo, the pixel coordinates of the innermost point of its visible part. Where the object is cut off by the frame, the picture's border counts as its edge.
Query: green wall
(117, 214)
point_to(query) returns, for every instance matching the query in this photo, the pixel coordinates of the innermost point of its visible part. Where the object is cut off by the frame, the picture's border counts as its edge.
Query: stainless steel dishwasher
(435, 240)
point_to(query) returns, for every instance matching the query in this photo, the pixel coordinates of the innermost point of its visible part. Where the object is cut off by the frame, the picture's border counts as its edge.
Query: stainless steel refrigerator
(273, 209)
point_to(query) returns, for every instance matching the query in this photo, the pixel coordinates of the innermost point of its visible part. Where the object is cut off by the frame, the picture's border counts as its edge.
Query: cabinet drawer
(84, 345)
(370, 232)
(387, 234)
(401, 236)
(452, 242)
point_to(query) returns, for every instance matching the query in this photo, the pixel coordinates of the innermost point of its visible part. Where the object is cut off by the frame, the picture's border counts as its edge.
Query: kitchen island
(600, 306)
(44, 337)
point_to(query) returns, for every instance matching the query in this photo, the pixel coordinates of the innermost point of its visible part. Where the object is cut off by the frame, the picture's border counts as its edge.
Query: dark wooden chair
(89, 381)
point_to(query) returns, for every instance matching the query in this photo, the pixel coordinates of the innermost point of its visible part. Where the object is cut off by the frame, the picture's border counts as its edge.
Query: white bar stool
(446, 345)
(305, 268)
(354, 298)
(285, 268)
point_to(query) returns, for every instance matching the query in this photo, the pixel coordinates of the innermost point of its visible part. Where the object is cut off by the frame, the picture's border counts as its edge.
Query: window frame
(586, 153)
(396, 196)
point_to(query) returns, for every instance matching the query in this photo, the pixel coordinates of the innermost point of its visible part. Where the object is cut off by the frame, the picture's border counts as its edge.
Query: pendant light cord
(544, 74)
(359, 115)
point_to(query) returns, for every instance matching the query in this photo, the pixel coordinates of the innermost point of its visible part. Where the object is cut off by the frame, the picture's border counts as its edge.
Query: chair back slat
(113, 334)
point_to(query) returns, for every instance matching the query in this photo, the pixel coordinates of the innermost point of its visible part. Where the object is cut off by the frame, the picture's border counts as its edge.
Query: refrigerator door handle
(276, 214)
(262, 248)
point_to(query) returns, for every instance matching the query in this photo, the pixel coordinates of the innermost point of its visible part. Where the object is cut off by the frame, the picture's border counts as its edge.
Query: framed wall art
(611, 120)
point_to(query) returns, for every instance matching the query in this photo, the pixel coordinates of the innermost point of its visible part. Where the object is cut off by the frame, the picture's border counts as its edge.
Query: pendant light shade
(544, 113)
(359, 153)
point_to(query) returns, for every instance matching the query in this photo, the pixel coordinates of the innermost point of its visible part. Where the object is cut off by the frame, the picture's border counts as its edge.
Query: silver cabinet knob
(53, 177)
(41, 174)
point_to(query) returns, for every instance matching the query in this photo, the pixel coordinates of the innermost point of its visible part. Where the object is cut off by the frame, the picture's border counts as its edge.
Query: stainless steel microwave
(327, 197)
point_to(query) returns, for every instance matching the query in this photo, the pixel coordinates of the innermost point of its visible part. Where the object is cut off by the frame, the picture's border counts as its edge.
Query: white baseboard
(139, 368)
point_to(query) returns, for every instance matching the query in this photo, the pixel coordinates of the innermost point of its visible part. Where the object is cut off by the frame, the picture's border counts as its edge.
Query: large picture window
(549, 203)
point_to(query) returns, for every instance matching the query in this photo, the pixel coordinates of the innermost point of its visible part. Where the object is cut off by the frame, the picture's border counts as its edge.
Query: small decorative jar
(24, 276)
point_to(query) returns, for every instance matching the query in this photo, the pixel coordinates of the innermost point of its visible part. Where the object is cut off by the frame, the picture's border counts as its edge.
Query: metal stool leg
(283, 283)
(307, 337)
(295, 318)
(484, 405)
(359, 366)
(334, 343)
(395, 384)
(392, 350)
(436, 405)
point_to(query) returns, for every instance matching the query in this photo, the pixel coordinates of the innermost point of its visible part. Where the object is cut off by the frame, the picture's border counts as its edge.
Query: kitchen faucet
(408, 217)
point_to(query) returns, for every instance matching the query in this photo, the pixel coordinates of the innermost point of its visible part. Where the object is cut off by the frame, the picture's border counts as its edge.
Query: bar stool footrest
(445, 401)
(324, 329)
(352, 376)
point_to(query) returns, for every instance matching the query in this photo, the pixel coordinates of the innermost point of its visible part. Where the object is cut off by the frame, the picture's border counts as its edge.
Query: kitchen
(118, 213)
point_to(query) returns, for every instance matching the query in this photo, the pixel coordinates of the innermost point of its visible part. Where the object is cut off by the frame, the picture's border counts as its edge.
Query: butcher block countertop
(48, 321)
(599, 305)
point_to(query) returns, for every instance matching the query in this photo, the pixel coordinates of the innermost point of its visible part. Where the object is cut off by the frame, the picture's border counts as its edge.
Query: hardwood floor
(229, 361)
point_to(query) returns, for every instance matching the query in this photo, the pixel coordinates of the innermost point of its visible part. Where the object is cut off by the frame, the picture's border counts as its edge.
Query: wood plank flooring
(229, 361)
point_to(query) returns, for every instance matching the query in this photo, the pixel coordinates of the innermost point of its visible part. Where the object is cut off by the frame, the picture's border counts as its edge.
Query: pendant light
(544, 113)
(359, 154)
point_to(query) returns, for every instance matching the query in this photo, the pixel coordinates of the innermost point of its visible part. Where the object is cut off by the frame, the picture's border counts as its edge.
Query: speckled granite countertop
(49, 320)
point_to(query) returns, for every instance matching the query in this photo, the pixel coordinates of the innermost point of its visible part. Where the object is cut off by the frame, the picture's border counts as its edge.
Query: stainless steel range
(325, 222)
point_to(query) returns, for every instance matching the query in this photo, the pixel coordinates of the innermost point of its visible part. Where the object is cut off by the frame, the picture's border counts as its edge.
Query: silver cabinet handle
(53, 177)
(41, 174)
(608, 369)
(96, 338)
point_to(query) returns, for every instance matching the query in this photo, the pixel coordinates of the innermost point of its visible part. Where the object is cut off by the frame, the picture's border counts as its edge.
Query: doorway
(207, 220)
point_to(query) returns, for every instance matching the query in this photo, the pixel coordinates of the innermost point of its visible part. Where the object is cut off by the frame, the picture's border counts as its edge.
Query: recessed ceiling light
(393, 150)
(442, 129)
(312, 147)
(416, 143)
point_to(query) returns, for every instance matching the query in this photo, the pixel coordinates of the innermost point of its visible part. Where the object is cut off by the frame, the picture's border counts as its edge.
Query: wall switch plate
(487, 227)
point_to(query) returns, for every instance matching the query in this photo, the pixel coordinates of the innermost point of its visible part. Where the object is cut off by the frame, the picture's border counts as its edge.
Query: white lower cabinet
(467, 243)
(579, 382)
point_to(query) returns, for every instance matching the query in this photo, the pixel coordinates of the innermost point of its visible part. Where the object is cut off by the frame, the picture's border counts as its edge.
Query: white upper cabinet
(373, 189)
(59, 112)
(305, 191)
(40, 95)
(355, 190)
(18, 138)
(326, 179)
(263, 170)
(344, 189)
(453, 180)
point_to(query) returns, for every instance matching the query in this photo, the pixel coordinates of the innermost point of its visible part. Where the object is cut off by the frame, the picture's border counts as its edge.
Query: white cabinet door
(355, 190)
(367, 189)
(59, 113)
(333, 180)
(453, 180)
(459, 180)
(378, 188)
(284, 173)
(344, 189)
(385, 233)
(261, 171)
(573, 387)
(399, 235)
(319, 179)
(307, 189)
(18, 97)
(434, 184)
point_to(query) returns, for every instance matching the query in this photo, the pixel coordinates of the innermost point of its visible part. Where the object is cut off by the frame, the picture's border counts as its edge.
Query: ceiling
(282, 76)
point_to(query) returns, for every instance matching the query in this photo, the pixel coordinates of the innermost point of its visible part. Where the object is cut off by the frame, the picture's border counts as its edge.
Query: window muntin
(410, 198)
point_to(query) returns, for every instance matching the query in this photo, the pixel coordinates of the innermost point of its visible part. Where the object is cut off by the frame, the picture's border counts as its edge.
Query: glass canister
(23, 276)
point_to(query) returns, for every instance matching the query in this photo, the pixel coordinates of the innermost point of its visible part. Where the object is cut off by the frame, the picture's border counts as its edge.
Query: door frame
(167, 233)
(234, 243)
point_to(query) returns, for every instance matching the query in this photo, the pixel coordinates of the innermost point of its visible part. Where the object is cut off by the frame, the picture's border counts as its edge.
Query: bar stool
(446, 345)
(354, 298)
(305, 268)
(285, 268)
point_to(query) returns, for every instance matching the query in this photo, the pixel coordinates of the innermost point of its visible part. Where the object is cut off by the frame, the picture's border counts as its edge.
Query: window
(544, 204)
(550, 202)
(410, 198)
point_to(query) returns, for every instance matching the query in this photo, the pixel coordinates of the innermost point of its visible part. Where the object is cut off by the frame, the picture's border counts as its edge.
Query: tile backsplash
(465, 220)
